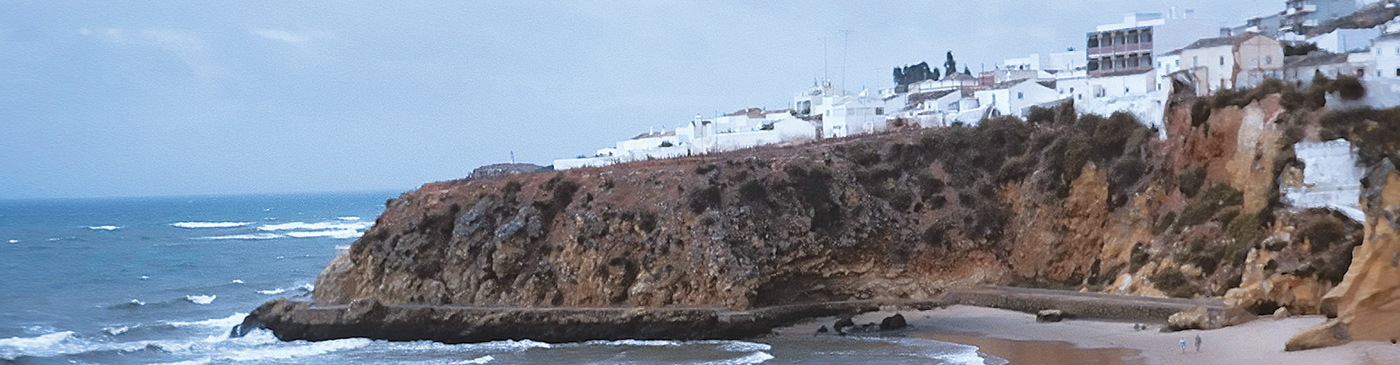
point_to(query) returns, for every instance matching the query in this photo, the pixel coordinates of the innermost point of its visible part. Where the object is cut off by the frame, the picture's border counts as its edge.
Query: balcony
(1120, 48)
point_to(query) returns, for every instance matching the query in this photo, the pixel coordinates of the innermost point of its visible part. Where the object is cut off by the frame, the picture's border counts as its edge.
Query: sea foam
(318, 226)
(479, 360)
(754, 358)
(305, 287)
(225, 323)
(201, 299)
(254, 236)
(104, 228)
(210, 224)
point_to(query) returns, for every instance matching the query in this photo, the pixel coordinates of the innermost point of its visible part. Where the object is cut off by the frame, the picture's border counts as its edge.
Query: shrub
(704, 199)
(1175, 284)
(1323, 234)
(1165, 222)
(1349, 87)
(1200, 112)
(753, 190)
(1065, 113)
(1189, 182)
(1139, 257)
(1208, 203)
(1038, 115)
(1245, 228)
(936, 235)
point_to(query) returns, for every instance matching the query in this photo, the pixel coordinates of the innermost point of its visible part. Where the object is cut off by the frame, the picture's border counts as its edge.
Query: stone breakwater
(291, 320)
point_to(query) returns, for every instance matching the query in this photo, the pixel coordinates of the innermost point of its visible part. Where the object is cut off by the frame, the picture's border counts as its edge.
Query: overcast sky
(179, 97)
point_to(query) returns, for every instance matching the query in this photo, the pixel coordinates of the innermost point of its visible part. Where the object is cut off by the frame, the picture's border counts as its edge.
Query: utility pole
(845, 48)
(825, 78)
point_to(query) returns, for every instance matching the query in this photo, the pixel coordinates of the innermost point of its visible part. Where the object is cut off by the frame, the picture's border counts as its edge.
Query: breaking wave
(254, 236)
(201, 299)
(479, 360)
(104, 228)
(226, 322)
(210, 224)
(302, 287)
(318, 226)
(340, 233)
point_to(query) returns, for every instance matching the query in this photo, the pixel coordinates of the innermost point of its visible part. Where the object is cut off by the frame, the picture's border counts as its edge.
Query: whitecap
(144, 277)
(137, 302)
(255, 236)
(305, 287)
(294, 349)
(743, 346)
(114, 331)
(43, 345)
(14, 241)
(340, 233)
(201, 299)
(479, 360)
(753, 358)
(203, 361)
(348, 218)
(318, 226)
(210, 224)
(236, 281)
(638, 343)
(226, 322)
(104, 228)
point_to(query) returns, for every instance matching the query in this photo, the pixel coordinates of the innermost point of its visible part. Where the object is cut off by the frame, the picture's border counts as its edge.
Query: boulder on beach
(1049, 315)
(893, 322)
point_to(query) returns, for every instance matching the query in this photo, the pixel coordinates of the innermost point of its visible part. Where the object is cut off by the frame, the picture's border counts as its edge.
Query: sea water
(163, 280)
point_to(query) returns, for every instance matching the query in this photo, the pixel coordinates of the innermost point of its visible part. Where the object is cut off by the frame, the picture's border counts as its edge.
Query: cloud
(185, 45)
(288, 36)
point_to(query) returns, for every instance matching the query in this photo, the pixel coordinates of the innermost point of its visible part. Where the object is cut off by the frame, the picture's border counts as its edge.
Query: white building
(1386, 50)
(1128, 47)
(1232, 62)
(1167, 63)
(1300, 16)
(1012, 98)
(1301, 69)
(1055, 61)
(1346, 40)
(1330, 178)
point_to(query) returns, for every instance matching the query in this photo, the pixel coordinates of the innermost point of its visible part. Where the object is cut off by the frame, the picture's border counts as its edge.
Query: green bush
(1189, 182)
(1171, 281)
(1349, 87)
(1204, 207)
(753, 191)
(1038, 115)
(1245, 228)
(704, 199)
(1200, 112)
(1164, 223)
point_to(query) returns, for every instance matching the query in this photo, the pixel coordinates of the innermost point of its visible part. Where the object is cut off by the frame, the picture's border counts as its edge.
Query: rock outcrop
(1366, 305)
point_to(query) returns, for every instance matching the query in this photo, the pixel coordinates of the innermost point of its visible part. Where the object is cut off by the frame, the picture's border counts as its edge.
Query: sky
(159, 98)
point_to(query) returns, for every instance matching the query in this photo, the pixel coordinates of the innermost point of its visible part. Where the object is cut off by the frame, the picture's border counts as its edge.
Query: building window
(1146, 36)
(1195, 61)
(879, 111)
(1268, 60)
(1222, 60)
(1020, 95)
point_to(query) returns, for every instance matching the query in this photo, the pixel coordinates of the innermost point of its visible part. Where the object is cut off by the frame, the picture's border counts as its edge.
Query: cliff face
(1061, 200)
(1366, 305)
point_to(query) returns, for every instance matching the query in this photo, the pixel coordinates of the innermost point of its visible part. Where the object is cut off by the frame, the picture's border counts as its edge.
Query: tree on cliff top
(950, 65)
(913, 74)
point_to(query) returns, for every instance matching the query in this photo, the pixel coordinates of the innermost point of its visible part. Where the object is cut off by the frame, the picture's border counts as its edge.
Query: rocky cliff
(1059, 200)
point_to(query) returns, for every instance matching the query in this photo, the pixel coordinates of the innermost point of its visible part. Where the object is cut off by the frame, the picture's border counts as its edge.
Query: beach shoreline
(1018, 338)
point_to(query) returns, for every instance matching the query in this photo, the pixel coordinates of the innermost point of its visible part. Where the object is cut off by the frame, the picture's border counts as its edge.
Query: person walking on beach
(1183, 345)
(1198, 343)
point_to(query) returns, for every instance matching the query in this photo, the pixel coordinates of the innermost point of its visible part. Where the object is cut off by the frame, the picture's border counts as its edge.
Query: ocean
(163, 280)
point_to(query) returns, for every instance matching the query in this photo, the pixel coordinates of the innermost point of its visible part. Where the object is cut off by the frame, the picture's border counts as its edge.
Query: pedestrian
(1183, 345)
(1198, 343)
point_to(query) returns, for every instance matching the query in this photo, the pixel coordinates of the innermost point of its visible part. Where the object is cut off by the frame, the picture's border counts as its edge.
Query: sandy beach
(1017, 337)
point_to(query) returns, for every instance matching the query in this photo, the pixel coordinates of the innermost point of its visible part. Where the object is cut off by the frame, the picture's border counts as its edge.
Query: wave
(318, 226)
(479, 360)
(348, 218)
(210, 224)
(104, 228)
(754, 358)
(236, 281)
(114, 331)
(201, 299)
(304, 287)
(347, 233)
(638, 343)
(255, 236)
(223, 323)
(14, 241)
(288, 350)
